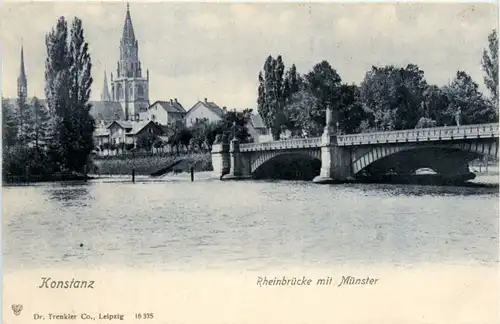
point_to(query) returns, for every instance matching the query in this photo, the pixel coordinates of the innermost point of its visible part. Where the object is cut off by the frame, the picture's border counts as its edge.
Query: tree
(393, 96)
(10, 125)
(490, 67)
(82, 123)
(322, 88)
(351, 112)
(25, 132)
(425, 122)
(293, 84)
(435, 104)
(68, 81)
(324, 84)
(410, 94)
(466, 101)
(146, 141)
(235, 123)
(304, 113)
(272, 94)
(41, 123)
(56, 79)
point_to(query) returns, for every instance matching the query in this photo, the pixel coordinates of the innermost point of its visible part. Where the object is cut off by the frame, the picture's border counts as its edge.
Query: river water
(178, 224)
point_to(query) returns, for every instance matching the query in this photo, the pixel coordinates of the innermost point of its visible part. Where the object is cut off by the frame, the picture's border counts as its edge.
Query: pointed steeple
(129, 65)
(128, 28)
(22, 83)
(105, 92)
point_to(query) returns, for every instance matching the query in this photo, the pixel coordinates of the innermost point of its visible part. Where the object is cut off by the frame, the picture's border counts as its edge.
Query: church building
(129, 87)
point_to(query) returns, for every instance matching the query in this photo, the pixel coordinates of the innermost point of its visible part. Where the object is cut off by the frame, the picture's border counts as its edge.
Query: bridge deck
(401, 136)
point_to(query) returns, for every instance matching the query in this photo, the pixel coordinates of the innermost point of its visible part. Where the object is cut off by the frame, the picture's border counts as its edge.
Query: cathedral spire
(128, 28)
(105, 92)
(22, 83)
(129, 65)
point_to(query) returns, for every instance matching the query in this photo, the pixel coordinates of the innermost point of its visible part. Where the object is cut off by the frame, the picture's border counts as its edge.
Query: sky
(216, 50)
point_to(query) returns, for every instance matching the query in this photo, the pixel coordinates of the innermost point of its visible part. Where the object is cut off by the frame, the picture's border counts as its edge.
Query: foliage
(304, 113)
(68, 82)
(435, 105)
(201, 135)
(25, 131)
(273, 93)
(351, 112)
(393, 96)
(425, 122)
(467, 102)
(41, 123)
(324, 84)
(145, 141)
(10, 125)
(490, 67)
(233, 123)
(322, 88)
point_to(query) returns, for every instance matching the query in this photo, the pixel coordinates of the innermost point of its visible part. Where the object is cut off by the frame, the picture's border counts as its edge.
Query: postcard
(250, 163)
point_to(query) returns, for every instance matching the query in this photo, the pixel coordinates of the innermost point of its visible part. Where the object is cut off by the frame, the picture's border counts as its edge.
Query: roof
(212, 106)
(106, 110)
(101, 132)
(138, 126)
(123, 124)
(257, 121)
(170, 106)
(128, 28)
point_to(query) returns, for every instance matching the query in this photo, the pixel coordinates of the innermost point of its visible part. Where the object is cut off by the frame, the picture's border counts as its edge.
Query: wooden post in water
(26, 175)
(133, 175)
(192, 173)
(85, 173)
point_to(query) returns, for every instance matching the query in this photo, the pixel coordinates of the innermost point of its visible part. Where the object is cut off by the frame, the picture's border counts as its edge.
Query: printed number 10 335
(144, 316)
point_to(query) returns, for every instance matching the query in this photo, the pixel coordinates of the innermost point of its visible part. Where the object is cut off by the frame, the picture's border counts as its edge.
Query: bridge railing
(292, 143)
(422, 134)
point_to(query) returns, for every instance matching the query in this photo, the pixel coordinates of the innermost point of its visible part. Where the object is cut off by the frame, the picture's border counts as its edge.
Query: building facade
(165, 112)
(204, 110)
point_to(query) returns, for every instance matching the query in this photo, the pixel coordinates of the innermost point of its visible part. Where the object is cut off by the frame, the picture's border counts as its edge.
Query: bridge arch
(259, 160)
(363, 158)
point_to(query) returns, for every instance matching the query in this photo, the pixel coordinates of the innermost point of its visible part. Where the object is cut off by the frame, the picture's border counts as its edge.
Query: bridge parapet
(294, 143)
(421, 135)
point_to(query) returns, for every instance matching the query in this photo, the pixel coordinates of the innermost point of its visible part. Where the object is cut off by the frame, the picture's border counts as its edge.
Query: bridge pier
(335, 160)
(220, 157)
(236, 167)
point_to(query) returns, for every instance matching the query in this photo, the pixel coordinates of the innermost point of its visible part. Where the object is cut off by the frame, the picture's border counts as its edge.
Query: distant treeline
(389, 97)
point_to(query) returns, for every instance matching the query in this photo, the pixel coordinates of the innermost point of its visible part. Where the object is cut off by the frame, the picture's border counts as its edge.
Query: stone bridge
(446, 150)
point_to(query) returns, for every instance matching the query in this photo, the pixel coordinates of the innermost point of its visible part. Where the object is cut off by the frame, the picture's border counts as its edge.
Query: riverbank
(55, 177)
(147, 165)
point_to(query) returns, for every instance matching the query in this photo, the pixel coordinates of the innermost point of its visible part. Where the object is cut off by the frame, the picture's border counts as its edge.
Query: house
(101, 135)
(165, 112)
(258, 130)
(130, 132)
(204, 110)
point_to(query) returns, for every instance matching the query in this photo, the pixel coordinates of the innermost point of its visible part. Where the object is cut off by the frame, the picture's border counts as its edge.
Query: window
(119, 91)
(140, 91)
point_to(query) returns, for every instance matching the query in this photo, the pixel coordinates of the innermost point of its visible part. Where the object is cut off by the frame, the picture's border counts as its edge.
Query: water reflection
(469, 189)
(70, 194)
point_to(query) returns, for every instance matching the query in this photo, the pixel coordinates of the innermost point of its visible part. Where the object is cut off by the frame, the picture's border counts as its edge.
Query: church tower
(105, 92)
(129, 88)
(22, 83)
